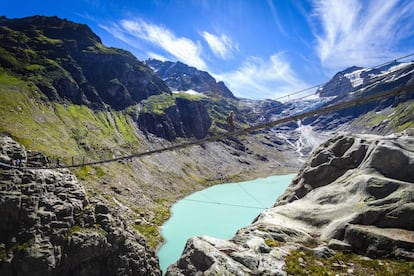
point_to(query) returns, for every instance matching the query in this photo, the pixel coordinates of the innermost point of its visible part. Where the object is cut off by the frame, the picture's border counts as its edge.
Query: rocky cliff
(50, 227)
(182, 117)
(354, 194)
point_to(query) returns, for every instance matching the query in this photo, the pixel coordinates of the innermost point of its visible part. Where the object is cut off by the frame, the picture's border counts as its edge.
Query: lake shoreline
(237, 205)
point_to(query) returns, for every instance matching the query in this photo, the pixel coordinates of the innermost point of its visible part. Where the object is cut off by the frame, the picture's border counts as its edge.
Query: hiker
(19, 163)
(230, 120)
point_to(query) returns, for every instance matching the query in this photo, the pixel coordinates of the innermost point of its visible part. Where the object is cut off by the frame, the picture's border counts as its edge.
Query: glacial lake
(218, 211)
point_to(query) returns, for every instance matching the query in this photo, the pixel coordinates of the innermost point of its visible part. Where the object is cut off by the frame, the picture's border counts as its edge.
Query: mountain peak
(182, 77)
(53, 27)
(67, 61)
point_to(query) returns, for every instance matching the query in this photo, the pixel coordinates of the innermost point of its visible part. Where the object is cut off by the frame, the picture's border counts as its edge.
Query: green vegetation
(273, 243)
(157, 104)
(151, 233)
(22, 246)
(3, 254)
(305, 263)
(79, 229)
(398, 119)
(125, 127)
(404, 116)
(190, 97)
(151, 229)
(83, 172)
(100, 172)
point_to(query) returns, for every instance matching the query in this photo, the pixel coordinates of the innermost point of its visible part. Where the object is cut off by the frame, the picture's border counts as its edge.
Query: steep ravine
(354, 194)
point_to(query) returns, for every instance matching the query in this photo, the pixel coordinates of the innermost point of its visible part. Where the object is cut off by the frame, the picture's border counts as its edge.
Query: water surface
(218, 211)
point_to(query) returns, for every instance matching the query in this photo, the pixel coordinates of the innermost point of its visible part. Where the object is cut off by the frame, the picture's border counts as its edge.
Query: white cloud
(133, 32)
(221, 46)
(182, 48)
(258, 78)
(361, 32)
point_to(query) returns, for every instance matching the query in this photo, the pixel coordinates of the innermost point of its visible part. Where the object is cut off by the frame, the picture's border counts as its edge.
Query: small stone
(339, 245)
(302, 262)
(323, 252)
(365, 258)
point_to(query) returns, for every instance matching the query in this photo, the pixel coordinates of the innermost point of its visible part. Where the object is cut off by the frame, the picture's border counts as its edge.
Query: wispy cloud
(258, 78)
(222, 46)
(276, 19)
(361, 32)
(119, 33)
(133, 32)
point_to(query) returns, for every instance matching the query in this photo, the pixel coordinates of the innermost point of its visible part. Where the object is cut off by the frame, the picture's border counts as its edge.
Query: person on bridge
(230, 120)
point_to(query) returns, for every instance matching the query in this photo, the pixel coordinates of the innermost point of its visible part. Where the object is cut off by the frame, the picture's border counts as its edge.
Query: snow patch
(190, 92)
(398, 66)
(355, 77)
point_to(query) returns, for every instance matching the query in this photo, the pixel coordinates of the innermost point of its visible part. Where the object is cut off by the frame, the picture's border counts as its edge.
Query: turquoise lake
(218, 211)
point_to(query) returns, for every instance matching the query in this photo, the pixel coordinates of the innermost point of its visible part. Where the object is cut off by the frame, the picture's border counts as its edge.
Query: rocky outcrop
(355, 193)
(50, 227)
(187, 118)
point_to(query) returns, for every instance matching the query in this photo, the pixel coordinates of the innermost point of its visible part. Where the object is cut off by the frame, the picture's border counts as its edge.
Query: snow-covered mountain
(358, 82)
(356, 78)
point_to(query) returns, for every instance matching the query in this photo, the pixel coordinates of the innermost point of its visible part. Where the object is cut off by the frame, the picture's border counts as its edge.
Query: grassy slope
(387, 121)
(43, 126)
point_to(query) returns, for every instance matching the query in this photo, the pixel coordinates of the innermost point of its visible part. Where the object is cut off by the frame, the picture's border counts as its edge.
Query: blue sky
(259, 48)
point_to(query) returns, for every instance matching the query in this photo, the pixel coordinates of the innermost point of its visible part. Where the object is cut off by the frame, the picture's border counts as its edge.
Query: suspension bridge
(317, 112)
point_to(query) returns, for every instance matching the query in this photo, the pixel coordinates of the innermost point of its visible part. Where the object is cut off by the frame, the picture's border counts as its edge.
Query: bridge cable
(317, 112)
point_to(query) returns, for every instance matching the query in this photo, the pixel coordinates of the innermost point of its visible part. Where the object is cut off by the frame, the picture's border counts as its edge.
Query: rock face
(187, 118)
(49, 227)
(355, 193)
